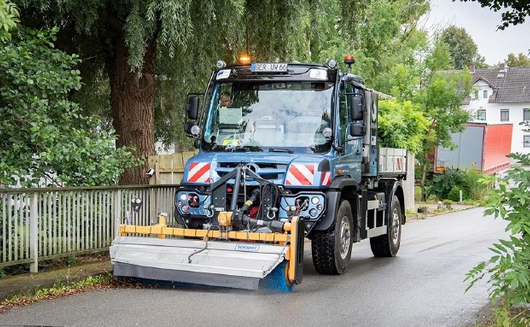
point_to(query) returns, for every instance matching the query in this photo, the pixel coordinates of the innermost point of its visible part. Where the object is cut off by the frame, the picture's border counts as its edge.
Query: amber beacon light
(244, 59)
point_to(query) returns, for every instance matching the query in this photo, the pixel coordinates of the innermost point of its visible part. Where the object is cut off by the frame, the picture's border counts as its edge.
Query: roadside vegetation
(463, 187)
(507, 271)
(58, 290)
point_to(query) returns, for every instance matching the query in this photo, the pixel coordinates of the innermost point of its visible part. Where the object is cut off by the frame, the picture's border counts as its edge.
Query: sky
(481, 24)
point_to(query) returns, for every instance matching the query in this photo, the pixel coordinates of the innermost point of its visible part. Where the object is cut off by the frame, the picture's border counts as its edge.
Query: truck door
(349, 160)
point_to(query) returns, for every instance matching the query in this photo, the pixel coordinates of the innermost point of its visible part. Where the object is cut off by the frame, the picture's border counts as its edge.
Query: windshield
(257, 116)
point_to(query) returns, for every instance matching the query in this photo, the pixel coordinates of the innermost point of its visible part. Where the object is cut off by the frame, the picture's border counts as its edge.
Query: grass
(58, 290)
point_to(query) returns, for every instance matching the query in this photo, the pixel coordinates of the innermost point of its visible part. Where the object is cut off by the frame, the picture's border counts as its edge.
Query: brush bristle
(276, 281)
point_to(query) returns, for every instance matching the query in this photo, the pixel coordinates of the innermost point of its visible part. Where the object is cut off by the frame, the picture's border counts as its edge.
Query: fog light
(220, 64)
(313, 212)
(195, 130)
(332, 63)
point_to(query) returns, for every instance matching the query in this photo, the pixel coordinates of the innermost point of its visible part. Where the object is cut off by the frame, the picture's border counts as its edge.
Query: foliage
(470, 182)
(507, 270)
(515, 15)
(444, 183)
(454, 194)
(425, 77)
(387, 35)
(401, 125)
(45, 139)
(475, 183)
(8, 19)
(521, 60)
(58, 289)
(462, 48)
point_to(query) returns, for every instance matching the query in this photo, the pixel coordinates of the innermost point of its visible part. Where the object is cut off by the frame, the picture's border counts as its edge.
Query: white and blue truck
(286, 152)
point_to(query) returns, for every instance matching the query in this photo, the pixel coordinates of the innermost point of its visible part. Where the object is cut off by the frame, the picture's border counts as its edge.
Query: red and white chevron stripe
(326, 178)
(199, 172)
(300, 175)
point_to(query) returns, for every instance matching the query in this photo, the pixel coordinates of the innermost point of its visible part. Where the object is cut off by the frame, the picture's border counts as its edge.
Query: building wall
(493, 115)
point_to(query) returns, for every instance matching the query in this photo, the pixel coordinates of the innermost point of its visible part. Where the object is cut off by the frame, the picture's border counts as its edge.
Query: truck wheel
(388, 245)
(332, 249)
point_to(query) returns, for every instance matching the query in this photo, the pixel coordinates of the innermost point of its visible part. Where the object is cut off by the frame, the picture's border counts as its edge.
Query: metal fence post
(33, 233)
(117, 211)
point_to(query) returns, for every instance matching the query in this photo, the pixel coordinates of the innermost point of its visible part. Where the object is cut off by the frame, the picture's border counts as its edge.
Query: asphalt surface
(423, 286)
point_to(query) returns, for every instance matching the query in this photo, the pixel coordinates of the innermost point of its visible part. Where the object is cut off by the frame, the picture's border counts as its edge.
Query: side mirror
(357, 129)
(357, 107)
(192, 107)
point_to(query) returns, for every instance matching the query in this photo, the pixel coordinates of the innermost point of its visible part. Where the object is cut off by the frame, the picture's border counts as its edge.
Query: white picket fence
(47, 223)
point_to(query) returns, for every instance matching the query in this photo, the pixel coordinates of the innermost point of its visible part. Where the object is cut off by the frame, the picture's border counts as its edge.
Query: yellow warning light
(244, 59)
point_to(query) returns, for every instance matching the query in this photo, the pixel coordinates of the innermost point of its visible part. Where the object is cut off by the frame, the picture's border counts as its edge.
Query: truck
(480, 146)
(287, 152)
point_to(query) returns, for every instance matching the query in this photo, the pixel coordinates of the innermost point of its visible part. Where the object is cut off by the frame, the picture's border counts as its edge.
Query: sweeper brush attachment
(235, 259)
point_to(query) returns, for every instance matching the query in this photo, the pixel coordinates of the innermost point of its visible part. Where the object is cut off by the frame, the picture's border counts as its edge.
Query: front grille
(271, 171)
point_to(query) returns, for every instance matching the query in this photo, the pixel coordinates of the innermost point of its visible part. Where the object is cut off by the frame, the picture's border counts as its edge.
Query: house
(502, 95)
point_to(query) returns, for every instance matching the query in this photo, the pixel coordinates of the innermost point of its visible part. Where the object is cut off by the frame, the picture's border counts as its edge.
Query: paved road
(423, 286)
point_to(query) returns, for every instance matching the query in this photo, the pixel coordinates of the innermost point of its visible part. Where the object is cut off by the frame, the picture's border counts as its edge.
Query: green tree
(462, 48)
(424, 76)
(123, 42)
(401, 125)
(45, 139)
(440, 96)
(520, 60)
(515, 14)
(386, 33)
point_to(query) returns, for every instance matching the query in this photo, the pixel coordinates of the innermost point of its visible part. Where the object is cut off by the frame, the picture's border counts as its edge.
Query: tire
(332, 249)
(387, 245)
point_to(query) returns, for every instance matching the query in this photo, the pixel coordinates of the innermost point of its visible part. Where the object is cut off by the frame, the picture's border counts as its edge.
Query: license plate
(268, 67)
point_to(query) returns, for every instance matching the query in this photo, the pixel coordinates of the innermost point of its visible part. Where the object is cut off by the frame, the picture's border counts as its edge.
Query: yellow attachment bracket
(225, 218)
(291, 255)
(162, 231)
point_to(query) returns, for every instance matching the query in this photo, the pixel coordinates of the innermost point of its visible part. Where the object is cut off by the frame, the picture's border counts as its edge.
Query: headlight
(315, 200)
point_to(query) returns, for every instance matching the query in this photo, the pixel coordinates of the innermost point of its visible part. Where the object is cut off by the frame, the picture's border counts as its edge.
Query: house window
(526, 114)
(485, 94)
(505, 114)
(526, 141)
(481, 114)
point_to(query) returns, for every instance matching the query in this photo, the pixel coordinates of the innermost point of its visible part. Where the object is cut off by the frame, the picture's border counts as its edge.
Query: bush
(454, 194)
(474, 185)
(444, 183)
(448, 185)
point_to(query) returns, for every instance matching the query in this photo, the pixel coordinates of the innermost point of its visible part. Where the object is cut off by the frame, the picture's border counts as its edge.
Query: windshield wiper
(286, 150)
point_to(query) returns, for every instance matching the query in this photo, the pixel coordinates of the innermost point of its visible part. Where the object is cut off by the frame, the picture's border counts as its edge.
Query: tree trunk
(132, 100)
